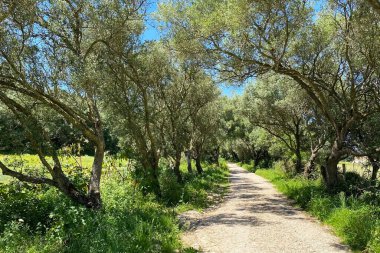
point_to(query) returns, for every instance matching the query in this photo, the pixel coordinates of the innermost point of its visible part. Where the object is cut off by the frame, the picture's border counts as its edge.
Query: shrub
(250, 166)
(223, 164)
(128, 222)
(194, 194)
(199, 191)
(32, 204)
(171, 190)
(40, 219)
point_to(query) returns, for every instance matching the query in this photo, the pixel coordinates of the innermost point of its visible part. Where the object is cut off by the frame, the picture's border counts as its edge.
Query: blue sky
(152, 33)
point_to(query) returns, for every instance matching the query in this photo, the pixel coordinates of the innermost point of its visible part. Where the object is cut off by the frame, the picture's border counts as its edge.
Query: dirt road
(256, 218)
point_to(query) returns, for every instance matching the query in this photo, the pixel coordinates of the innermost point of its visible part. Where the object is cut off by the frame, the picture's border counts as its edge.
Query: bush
(31, 204)
(128, 222)
(223, 164)
(249, 166)
(194, 194)
(285, 166)
(301, 190)
(171, 190)
(41, 219)
(199, 190)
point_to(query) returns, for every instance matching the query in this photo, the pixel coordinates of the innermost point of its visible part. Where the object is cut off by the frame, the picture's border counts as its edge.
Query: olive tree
(49, 57)
(331, 55)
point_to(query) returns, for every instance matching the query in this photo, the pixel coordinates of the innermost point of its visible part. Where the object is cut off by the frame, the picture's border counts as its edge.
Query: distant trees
(206, 130)
(278, 106)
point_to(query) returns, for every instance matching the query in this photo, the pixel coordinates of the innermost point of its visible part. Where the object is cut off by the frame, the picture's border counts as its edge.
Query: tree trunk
(96, 173)
(150, 165)
(298, 161)
(375, 168)
(59, 180)
(330, 169)
(297, 136)
(216, 156)
(198, 164)
(177, 163)
(310, 165)
(235, 156)
(188, 160)
(155, 184)
(69, 189)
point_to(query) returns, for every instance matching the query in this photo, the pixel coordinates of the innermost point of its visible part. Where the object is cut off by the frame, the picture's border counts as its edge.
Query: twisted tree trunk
(188, 160)
(330, 168)
(177, 163)
(375, 168)
(198, 164)
(310, 165)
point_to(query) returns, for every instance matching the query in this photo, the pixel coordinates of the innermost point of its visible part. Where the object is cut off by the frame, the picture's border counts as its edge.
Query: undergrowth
(248, 166)
(40, 219)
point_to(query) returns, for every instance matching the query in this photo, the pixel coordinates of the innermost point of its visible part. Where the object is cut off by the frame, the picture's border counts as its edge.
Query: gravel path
(256, 218)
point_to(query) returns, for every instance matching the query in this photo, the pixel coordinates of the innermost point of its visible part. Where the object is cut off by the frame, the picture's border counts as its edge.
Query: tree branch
(25, 178)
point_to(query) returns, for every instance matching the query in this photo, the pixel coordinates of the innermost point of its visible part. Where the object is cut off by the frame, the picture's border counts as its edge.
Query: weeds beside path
(256, 218)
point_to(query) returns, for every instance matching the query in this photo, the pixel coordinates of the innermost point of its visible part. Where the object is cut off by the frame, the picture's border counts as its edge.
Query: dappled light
(149, 126)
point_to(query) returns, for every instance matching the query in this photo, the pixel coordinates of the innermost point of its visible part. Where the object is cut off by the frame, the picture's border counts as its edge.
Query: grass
(248, 166)
(353, 218)
(31, 163)
(48, 222)
(201, 191)
(359, 168)
(40, 219)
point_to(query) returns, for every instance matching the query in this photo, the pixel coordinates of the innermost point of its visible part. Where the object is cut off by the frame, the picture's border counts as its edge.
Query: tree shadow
(227, 219)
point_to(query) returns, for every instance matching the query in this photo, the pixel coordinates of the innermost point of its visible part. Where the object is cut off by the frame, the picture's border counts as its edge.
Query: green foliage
(40, 219)
(128, 222)
(25, 202)
(197, 191)
(354, 218)
(355, 226)
(249, 166)
(374, 243)
(213, 180)
(321, 207)
(171, 190)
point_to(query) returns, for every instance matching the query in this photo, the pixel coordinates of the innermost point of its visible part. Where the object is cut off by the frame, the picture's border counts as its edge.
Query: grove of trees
(76, 71)
(323, 68)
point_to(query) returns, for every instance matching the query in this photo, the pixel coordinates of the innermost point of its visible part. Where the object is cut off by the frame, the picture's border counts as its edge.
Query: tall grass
(40, 219)
(248, 166)
(198, 191)
(356, 219)
(46, 221)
